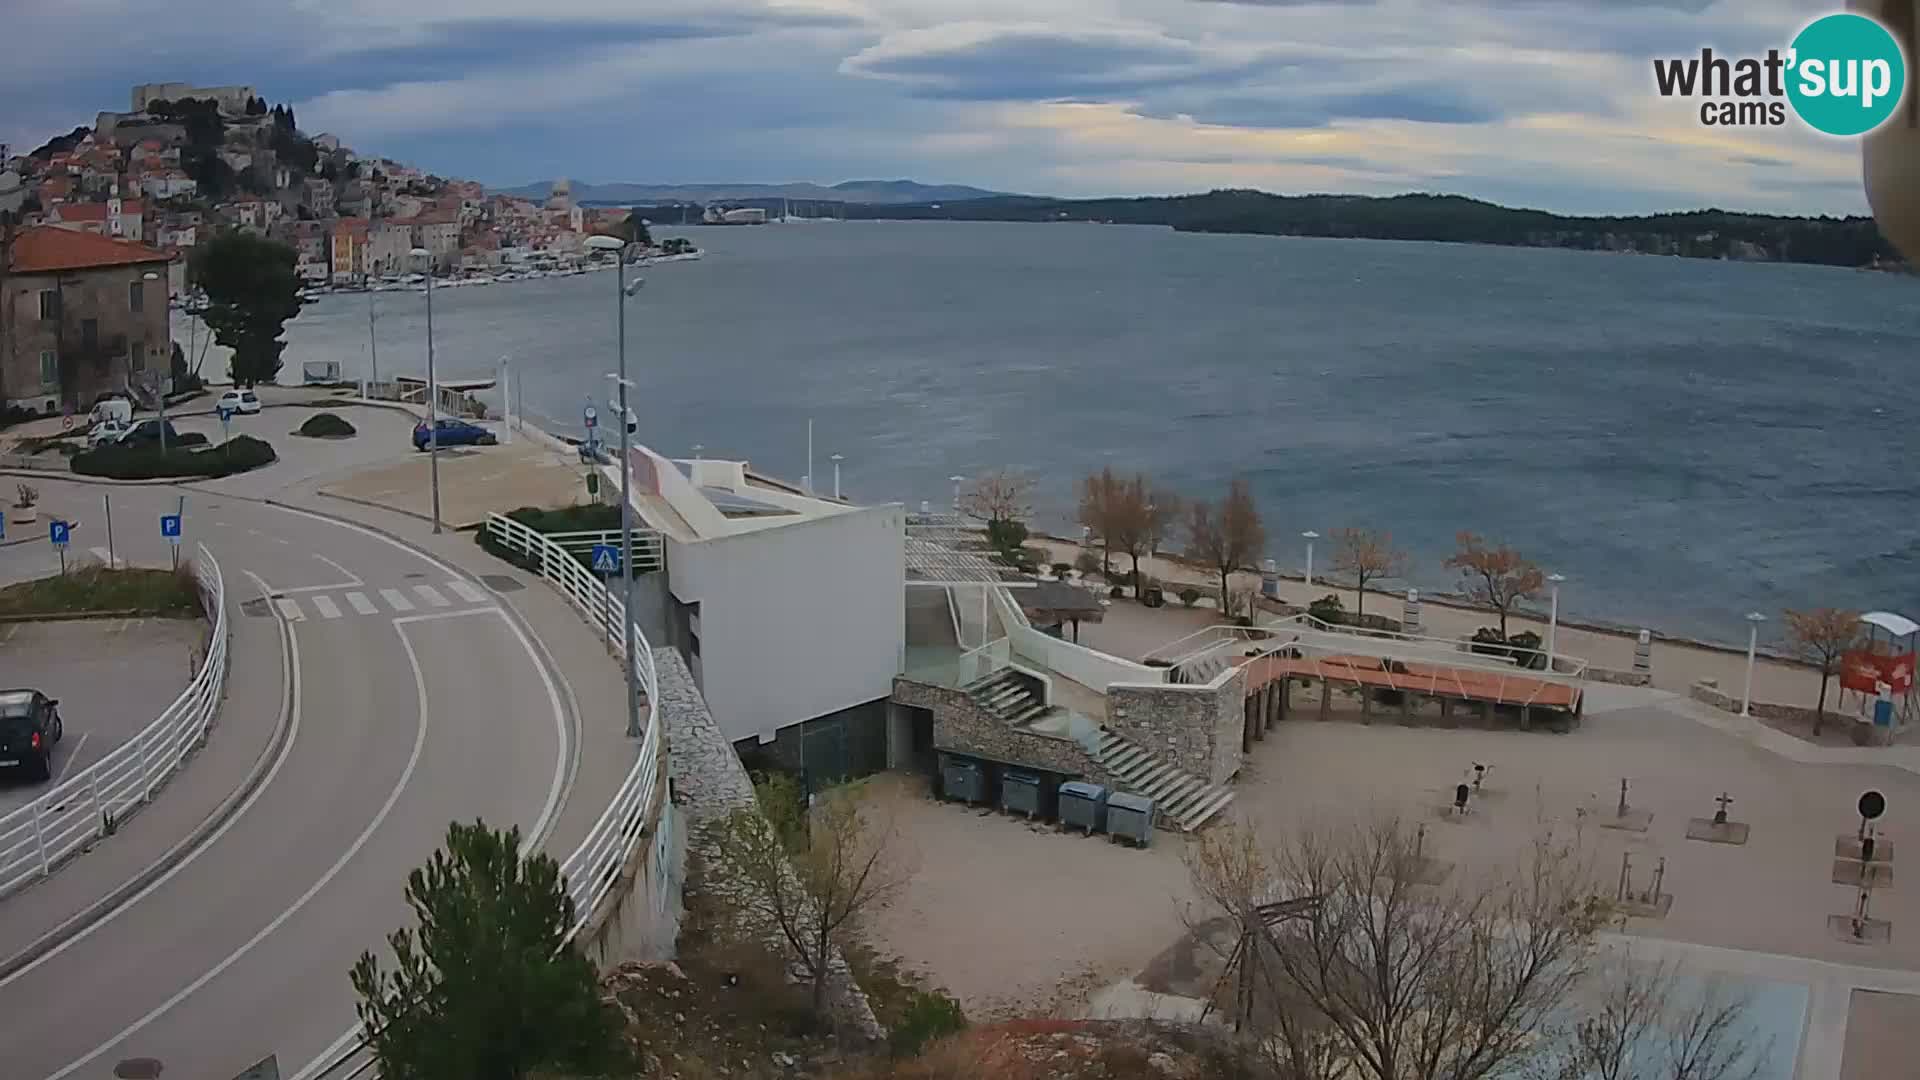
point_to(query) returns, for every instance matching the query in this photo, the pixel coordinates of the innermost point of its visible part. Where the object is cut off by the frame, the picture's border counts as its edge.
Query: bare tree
(809, 876)
(1115, 508)
(1495, 576)
(1647, 1019)
(1163, 513)
(1823, 636)
(1226, 538)
(1098, 493)
(1000, 495)
(1366, 555)
(1386, 978)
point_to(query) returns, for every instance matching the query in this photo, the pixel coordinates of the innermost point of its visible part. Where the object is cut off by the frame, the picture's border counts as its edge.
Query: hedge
(237, 455)
(326, 425)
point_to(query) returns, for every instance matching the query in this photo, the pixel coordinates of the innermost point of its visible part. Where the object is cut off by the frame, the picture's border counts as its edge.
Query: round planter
(22, 515)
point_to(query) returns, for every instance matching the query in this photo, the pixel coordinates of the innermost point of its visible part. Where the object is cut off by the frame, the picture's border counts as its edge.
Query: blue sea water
(1685, 440)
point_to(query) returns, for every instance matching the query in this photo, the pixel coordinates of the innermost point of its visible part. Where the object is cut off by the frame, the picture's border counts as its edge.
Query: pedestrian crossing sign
(606, 559)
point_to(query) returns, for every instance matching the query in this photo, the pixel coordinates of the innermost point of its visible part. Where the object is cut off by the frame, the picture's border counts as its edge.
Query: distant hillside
(1707, 234)
(851, 191)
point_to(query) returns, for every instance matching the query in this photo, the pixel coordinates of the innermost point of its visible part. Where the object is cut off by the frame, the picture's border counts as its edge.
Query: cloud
(1031, 61)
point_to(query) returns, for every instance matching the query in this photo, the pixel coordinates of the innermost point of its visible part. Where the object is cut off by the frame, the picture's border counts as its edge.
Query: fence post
(40, 840)
(93, 793)
(146, 774)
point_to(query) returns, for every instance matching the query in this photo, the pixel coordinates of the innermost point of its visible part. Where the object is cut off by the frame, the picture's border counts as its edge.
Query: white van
(114, 408)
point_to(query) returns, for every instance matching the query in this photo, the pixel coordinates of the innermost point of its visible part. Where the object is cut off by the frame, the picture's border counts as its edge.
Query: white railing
(648, 549)
(90, 804)
(982, 661)
(602, 610)
(593, 869)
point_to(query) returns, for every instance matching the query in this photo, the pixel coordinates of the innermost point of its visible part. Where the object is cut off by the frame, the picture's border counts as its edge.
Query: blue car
(452, 433)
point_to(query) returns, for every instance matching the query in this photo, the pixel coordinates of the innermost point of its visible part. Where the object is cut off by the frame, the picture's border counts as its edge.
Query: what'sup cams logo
(1844, 75)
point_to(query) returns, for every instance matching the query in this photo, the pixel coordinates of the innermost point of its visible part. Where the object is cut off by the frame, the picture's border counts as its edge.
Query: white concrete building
(787, 606)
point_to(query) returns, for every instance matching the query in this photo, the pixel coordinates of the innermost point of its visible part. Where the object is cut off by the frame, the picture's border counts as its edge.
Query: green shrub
(326, 425)
(929, 1017)
(1007, 536)
(1189, 596)
(1328, 609)
(237, 455)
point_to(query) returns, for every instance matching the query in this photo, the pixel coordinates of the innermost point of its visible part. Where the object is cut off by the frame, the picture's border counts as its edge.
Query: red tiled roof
(49, 249)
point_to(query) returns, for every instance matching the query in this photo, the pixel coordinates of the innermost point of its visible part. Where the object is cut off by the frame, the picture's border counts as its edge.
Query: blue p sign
(170, 527)
(57, 532)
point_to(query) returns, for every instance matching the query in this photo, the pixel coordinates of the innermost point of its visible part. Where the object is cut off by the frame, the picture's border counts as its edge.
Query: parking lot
(111, 676)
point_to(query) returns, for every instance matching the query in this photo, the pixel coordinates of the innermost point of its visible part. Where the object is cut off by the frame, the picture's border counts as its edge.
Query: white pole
(506, 386)
(809, 479)
(957, 481)
(1553, 618)
(1311, 537)
(836, 477)
(1754, 619)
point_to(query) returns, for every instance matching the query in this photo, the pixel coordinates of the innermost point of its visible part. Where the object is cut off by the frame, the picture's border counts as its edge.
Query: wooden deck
(1465, 684)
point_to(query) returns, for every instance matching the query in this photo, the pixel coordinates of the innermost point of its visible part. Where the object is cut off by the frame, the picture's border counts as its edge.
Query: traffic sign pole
(107, 501)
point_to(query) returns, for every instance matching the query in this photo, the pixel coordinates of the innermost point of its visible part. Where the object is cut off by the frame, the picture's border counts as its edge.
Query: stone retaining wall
(1620, 678)
(1197, 728)
(962, 726)
(1708, 692)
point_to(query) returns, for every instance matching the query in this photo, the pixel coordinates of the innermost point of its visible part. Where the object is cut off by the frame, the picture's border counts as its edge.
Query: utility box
(1130, 817)
(1083, 806)
(1020, 793)
(963, 780)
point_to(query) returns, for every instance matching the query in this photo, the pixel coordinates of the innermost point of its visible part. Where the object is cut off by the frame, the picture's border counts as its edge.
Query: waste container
(1020, 793)
(1083, 806)
(963, 780)
(1130, 817)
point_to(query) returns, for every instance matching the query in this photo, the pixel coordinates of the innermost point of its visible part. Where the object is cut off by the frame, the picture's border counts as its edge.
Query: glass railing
(944, 665)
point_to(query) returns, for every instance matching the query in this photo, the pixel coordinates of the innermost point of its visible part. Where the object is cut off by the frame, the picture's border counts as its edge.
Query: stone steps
(1180, 797)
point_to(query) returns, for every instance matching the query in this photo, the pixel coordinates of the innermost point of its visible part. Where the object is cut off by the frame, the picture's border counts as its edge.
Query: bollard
(1410, 612)
(1643, 653)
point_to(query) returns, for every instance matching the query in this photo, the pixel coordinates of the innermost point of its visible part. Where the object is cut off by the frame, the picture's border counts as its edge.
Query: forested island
(1700, 234)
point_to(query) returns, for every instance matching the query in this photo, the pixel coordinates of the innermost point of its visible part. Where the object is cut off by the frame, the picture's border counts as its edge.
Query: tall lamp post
(1310, 537)
(1553, 617)
(425, 257)
(1754, 619)
(621, 291)
(957, 481)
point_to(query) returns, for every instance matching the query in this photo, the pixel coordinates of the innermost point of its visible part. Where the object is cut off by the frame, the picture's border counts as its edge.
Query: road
(414, 700)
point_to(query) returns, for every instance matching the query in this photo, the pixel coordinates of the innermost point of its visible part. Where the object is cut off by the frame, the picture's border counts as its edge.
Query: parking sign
(58, 532)
(170, 527)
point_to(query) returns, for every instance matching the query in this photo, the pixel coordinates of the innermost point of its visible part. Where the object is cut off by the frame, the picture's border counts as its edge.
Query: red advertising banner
(1864, 671)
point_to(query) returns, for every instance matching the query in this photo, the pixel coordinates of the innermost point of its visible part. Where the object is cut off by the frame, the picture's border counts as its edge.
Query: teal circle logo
(1846, 74)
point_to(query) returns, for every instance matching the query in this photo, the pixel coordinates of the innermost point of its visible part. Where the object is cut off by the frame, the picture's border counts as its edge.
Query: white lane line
(466, 592)
(325, 605)
(361, 605)
(366, 834)
(290, 608)
(335, 587)
(396, 599)
(351, 577)
(437, 616)
(432, 596)
(290, 713)
(73, 755)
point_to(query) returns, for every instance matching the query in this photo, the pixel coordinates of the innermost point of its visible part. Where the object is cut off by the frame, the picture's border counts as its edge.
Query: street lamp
(1553, 617)
(621, 292)
(1754, 619)
(1310, 536)
(425, 257)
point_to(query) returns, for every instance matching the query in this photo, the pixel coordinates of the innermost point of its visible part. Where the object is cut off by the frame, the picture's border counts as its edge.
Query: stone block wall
(1620, 678)
(1707, 691)
(961, 725)
(1197, 728)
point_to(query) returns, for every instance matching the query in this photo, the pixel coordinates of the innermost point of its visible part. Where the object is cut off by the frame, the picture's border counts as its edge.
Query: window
(49, 368)
(136, 356)
(49, 304)
(136, 296)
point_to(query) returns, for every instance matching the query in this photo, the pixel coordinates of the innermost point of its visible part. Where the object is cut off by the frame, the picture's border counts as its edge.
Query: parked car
(240, 401)
(147, 433)
(453, 433)
(29, 726)
(112, 407)
(107, 431)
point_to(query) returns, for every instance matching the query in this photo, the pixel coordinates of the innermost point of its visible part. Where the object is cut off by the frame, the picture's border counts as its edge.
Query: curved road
(413, 700)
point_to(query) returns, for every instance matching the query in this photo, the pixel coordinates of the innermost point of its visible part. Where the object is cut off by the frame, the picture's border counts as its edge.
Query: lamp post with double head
(425, 259)
(622, 290)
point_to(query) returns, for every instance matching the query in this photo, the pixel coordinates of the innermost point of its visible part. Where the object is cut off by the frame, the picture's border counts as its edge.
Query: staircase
(1182, 798)
(1006, 695)
(1202, 670)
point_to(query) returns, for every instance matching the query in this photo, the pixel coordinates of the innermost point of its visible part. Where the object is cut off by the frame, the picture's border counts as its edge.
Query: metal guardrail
(593, 869)
(596, 604)
(90, 804)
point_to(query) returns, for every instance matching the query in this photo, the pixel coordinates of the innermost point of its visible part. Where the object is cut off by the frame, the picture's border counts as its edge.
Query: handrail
(92, 803)
(593, 869)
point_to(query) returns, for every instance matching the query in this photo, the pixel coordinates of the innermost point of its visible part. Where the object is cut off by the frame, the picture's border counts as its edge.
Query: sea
(1686, 441)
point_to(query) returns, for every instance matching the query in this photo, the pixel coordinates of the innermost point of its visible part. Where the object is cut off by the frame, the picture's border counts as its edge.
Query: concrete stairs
(1180, 797)
(1007, 696)
(1201, 670)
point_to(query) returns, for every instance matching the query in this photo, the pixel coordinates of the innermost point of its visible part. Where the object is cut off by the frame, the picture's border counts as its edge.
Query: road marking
(366, 834)
(466, 592)
(290, 608)
(290, 713)
(361, 605)
(432, 596)
(396, 599)
(324, 604)
(73, 755)
(12, 629)
(352, 578)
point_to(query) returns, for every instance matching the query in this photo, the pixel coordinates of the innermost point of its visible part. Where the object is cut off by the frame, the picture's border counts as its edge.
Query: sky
(1541, 103)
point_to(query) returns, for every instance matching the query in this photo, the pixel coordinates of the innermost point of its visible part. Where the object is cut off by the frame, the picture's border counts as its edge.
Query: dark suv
(29, 726)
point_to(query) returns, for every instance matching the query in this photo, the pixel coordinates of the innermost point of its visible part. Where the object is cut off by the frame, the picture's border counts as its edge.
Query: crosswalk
(378, 601)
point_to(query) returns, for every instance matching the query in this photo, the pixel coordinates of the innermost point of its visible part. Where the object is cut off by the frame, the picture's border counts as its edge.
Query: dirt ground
(1015, 919)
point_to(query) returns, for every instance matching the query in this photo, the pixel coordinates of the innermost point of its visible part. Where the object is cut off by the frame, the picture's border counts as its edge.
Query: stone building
(80, 314)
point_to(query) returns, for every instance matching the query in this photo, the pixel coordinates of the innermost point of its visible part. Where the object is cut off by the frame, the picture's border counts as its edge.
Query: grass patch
(326, 425)
(237, 455)
(94, 588)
